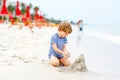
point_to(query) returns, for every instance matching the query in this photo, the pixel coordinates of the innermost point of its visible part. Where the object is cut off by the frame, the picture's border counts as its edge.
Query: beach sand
(24, 56)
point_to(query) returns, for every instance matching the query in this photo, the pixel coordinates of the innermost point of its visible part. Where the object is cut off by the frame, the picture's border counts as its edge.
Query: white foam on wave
(110, 37)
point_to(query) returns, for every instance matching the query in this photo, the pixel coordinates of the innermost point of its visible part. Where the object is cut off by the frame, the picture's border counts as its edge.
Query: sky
(90, 11)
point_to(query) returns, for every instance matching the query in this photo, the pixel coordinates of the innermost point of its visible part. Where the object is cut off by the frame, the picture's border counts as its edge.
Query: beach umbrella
(4, 8)
(18, 12)
(27, 12)
(36, 14)
(41, 17)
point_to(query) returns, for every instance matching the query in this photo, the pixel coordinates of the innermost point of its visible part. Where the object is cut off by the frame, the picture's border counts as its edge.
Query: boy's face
(63, 34)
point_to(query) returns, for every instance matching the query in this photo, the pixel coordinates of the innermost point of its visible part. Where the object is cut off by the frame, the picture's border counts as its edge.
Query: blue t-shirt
(60, 44)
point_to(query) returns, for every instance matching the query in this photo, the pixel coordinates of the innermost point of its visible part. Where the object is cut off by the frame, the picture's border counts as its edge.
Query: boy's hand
(66, 54)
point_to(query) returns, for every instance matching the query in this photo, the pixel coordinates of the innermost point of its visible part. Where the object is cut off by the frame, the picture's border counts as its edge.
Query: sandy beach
(24, 56)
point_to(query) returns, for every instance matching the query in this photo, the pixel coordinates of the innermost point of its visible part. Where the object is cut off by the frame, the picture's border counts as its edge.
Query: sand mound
(79, 65)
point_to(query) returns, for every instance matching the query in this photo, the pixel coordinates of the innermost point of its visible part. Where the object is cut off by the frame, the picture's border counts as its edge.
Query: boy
(58, 53)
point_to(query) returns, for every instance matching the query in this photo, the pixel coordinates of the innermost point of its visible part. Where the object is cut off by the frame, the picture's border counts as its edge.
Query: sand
(24, 56)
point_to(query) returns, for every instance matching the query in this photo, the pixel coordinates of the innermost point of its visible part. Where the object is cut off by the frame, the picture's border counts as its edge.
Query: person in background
(80, 25)
(58, 53)
(80, 32)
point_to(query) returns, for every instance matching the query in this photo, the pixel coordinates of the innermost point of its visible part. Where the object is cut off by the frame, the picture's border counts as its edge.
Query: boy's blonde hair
(65, 26)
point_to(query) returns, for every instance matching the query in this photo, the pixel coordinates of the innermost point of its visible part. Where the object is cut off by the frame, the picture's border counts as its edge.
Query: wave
(110, 37)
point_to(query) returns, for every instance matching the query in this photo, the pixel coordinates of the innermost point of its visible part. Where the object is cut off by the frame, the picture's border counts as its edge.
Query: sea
(101, 45)
(105, 31)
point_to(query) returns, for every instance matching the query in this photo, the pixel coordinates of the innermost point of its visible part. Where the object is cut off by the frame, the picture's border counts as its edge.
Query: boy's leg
(65, 61)
(54, 61)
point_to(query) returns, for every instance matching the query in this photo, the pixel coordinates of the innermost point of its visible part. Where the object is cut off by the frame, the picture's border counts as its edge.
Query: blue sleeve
(53, 40)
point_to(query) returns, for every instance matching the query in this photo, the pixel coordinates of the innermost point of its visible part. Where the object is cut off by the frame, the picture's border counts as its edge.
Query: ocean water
(101, 46)
(104, 28)
(108, 32)
(109, 47)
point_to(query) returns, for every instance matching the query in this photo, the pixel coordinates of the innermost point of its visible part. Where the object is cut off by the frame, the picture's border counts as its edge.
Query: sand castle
(79, 64)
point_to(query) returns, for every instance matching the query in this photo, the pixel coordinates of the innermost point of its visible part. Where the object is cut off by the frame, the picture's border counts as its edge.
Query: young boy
(58, 53)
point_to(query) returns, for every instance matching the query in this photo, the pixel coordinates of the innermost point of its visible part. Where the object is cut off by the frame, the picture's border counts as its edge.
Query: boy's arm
(57, 49)
(65, 48)
(66, 53)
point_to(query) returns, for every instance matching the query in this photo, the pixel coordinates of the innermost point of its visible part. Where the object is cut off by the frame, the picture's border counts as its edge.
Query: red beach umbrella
(17, 9)
(28, 12)
(41, 17)
(36, 14)
(4, 9)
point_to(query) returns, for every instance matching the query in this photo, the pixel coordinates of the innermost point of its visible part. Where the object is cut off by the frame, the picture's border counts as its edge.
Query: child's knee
(55, 63)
